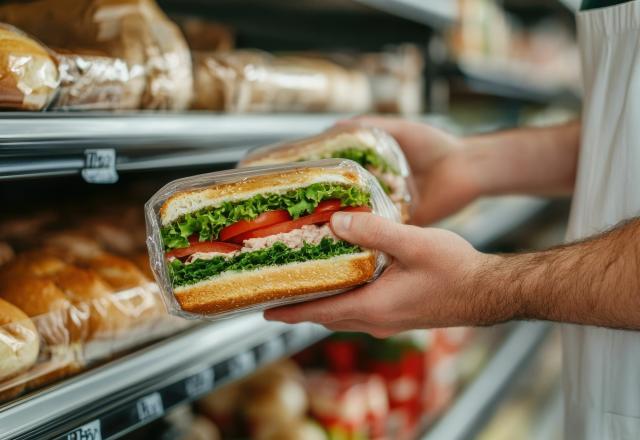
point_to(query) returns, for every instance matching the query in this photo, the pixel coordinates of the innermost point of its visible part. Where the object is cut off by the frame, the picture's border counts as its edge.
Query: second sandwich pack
(372, 148)
(249, 239)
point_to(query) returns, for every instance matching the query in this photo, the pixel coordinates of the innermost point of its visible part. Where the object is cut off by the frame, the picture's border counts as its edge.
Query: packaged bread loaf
(28, 74)
(90, 80)
(233, 241)
(255, 81)
(136, 31)
(370, 147)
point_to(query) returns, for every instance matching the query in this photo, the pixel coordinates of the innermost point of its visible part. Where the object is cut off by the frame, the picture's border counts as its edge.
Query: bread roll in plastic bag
(254, 81)
(372, 148)
(28, 74)
(249, 239)
(136, 31)
(93, 81)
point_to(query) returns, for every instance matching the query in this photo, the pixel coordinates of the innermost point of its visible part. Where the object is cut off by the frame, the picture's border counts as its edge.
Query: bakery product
(262, 239)
(19, 341)
(136, 31)
(371, 148)
(28, 72)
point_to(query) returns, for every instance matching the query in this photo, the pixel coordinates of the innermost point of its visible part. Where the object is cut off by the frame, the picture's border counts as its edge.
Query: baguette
(236, 290)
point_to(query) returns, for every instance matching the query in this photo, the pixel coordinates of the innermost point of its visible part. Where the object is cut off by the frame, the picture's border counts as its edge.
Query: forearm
(593, 282)
(526, 161)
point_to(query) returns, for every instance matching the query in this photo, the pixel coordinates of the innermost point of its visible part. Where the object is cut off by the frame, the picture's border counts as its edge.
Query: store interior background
(485, 65)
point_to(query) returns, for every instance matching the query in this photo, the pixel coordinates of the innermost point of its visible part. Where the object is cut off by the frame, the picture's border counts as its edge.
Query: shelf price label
(149, 407)
(100, 166)
(272, 349)
(242, 364)
(90, 431)
(200, 383)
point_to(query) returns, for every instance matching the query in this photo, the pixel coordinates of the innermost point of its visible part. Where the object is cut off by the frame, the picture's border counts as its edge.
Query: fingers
(375, 232)
(322, 311)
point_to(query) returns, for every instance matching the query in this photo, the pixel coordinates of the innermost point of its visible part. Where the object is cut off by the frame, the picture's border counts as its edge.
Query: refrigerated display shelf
(464, 419)
(109, 401)
(434, 13)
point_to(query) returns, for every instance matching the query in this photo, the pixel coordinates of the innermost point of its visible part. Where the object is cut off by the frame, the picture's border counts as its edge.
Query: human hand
(431, 282)
(443, 177)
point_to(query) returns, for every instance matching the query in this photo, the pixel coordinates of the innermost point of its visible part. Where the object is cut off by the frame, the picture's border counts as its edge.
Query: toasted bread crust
(335, 139)
(235, 291)
(184, 202)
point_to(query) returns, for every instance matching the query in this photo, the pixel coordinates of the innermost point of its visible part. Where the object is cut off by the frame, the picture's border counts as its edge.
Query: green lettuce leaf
(366, 157)
(208, 222)
(182, 274)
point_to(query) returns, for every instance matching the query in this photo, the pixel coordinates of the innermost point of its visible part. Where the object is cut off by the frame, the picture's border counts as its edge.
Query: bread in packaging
(254, 81)
(206, 35)
(19, 341)
(28, 73)
(136, 31)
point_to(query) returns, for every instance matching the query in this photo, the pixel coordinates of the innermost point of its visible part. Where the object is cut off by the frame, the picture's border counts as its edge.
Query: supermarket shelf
(481, 397)
(436, 13)
(490, 219)
(124, 394)
(513, 86)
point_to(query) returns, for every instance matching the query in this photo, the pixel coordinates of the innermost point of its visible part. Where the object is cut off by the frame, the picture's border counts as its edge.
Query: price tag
(200, 383)
(100, 166)
(90, 431)
(150, 407)
(272, 349)
(242, 364)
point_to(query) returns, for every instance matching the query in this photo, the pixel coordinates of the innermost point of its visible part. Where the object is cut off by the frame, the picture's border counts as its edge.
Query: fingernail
(341, 222)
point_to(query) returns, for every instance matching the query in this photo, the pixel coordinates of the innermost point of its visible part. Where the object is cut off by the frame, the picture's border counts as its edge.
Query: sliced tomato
(204, 246)
(357, 209)
(328, 205)
(281, 228)
(263, 220)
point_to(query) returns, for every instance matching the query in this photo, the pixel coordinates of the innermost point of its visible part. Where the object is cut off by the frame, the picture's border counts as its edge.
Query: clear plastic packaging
(253, 81)
(93, 81)
(136, 31)
(28, 73)
(245, 272)
(371, 147)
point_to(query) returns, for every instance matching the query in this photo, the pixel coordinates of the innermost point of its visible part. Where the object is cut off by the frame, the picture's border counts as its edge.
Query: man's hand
(443, 177)
(428, 284)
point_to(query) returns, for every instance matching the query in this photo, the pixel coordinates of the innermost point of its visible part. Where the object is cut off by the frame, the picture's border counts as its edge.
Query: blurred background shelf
(469, 413)
(140, 387)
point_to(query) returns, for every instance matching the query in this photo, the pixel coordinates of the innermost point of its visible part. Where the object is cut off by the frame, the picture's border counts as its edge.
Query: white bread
(185, 202)
(235, 290)
(313, 148)
(28, 73)
(19, 341)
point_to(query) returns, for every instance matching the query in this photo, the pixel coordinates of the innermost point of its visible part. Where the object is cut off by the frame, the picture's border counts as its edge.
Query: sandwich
(372, 149)
(262, 240)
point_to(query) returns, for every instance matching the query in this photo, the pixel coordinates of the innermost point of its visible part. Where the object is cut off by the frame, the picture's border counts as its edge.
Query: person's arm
(452, 171)
(438, 280)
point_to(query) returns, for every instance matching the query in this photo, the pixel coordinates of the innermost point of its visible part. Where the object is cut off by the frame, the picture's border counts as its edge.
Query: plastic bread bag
(205, 35)
(90, 80)
(372, 148)
(136, 31)
(241, 240)
(28, 73)
(253, 81)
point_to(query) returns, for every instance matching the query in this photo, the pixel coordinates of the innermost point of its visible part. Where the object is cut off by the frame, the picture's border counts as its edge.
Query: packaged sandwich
(250, 239)
(248, 81)
(28, 73)
(372, 148)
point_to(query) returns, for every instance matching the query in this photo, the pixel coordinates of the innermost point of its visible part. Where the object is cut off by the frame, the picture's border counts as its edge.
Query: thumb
(374, 232)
